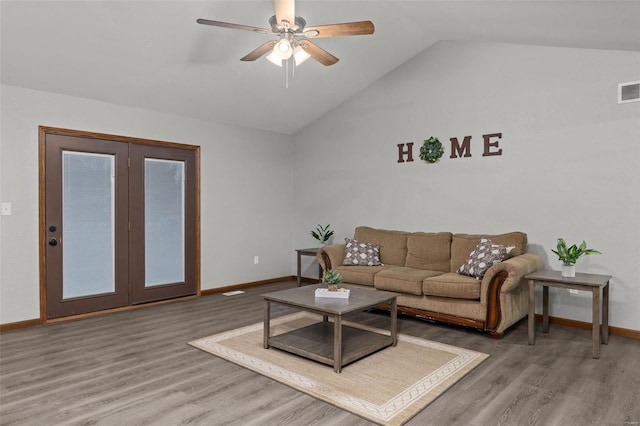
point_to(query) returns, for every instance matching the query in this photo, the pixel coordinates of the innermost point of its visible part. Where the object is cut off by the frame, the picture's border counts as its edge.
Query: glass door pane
(88, 221)
(164, 221)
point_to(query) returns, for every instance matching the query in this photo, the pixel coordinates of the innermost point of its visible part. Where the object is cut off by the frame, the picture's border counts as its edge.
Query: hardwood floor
(135, 368)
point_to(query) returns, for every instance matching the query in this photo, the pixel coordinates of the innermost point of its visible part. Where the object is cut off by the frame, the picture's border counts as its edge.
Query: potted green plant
(322, 234)
(569, 255)
(332, 279)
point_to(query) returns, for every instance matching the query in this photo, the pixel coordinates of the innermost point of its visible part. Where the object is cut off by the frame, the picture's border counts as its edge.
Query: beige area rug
(388, 387)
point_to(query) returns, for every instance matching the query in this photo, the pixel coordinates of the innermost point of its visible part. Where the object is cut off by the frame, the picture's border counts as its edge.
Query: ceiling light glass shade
(283, 49)
(274, 59)
(300, 55)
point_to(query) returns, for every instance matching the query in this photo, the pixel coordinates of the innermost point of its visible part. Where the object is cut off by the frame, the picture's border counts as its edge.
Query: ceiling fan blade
(233, 26)
(336, 30)
(318, 53)
(285, 11)
(255, 54)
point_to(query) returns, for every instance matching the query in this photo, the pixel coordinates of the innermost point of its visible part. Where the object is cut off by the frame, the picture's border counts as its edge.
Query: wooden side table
(588, 282)
(307, 252)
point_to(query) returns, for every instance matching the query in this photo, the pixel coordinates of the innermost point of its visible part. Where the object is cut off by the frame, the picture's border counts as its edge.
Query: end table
(307, 252)
(596, 284)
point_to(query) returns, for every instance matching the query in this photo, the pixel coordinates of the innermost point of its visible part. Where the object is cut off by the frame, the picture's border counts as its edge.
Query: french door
(163, 223)
(118, 222)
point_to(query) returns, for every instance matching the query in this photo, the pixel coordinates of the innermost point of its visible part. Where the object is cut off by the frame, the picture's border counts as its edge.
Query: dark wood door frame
(46, 130)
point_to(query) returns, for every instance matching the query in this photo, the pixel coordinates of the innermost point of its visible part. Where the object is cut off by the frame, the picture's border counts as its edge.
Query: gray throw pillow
(484, 256)
(361, 254)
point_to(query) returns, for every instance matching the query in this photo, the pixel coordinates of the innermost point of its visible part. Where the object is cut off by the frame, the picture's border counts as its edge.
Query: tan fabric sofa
(422, 266)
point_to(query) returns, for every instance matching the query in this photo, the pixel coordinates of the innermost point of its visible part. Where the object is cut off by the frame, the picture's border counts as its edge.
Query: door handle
(53, 242)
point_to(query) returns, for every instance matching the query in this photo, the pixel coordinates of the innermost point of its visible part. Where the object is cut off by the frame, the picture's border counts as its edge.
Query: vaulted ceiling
(153, 55)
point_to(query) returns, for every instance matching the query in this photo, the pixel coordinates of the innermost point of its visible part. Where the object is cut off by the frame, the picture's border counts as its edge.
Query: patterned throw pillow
(362, 254)
(484, 256)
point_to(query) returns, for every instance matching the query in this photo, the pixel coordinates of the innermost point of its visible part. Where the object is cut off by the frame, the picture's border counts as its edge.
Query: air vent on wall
(629, 92)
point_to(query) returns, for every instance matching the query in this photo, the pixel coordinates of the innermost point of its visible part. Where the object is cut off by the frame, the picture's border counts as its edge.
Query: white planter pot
(569, 271)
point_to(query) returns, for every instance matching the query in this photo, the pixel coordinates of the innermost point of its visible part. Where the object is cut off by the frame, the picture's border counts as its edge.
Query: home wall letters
(459, 149)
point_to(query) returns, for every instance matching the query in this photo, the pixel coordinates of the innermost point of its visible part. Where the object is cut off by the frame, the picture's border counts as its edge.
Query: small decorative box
(323, 292)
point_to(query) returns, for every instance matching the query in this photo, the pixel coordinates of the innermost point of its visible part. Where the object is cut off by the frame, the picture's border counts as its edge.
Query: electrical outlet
(6, 209)
(256, 260)
(573, 291)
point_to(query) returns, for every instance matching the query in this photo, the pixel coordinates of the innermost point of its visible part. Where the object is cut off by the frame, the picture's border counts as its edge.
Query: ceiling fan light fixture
(274, 59)
(299, 55)
(283, 49)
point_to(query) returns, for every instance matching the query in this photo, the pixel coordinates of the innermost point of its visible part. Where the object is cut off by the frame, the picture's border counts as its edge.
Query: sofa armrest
(509, 274)
(330, 256)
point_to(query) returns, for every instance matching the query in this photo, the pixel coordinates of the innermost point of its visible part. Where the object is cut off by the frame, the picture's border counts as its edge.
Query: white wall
(567, 147)
(570, 165)
(246, 190)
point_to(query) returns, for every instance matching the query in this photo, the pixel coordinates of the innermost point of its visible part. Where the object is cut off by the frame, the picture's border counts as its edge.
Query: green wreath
(431, 150)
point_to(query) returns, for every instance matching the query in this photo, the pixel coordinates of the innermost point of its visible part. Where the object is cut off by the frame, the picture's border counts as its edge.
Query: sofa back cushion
(431, 251)
(393, 244)
(463, 244)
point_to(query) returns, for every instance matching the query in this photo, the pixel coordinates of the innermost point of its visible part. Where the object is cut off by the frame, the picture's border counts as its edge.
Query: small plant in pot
(569, 255)
(332, 279)
(322, 234)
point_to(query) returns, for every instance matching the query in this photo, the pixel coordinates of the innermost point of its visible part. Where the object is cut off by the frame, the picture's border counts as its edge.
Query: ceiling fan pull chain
(286, 73)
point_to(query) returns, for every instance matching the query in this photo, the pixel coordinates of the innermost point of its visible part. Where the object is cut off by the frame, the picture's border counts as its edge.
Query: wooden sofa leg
(496, 335)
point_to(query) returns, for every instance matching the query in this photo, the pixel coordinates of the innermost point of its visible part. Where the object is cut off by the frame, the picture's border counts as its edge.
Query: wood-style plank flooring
(135, 368)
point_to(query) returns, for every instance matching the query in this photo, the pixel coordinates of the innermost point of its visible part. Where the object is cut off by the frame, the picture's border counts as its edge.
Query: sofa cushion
(360, 253)
(359, 274)
(393, 244)
(430, 251)
(452, 285)
(463, 244)
(402, 279)
(484, 256)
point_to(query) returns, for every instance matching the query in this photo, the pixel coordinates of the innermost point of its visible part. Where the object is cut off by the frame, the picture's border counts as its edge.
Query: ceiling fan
(293, 36)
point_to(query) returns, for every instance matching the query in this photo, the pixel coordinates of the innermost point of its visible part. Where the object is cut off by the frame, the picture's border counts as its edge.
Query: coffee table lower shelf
(316, 342)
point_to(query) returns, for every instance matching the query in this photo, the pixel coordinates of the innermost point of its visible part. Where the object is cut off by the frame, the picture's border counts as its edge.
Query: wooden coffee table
(326, 342)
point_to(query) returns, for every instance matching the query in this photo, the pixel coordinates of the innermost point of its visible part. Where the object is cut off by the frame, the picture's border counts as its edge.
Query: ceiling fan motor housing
(296, 28)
